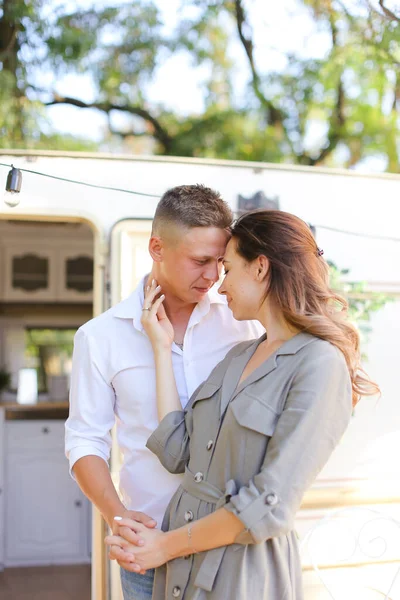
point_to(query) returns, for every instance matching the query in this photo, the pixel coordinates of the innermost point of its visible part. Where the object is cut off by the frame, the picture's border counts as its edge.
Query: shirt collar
(296, 343)
(291, 346)
(131, 307)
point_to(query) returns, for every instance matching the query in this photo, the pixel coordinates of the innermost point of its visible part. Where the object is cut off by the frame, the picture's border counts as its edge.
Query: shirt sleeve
(92, 400)
(170, 442)
(316, 413)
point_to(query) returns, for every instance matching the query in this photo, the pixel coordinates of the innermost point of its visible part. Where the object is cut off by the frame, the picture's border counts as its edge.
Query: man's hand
(129, 538)
(135, 516)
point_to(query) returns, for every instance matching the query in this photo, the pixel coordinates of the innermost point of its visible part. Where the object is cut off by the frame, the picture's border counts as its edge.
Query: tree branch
(159, 132)
(275, 116)
(338, 119)
(10, 44)
(388, 12)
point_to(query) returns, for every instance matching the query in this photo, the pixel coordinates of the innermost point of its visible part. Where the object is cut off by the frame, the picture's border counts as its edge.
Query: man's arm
(94, 479)
(87, 430)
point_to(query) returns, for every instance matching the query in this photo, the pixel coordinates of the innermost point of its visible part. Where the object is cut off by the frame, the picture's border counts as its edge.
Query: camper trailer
(75, 244)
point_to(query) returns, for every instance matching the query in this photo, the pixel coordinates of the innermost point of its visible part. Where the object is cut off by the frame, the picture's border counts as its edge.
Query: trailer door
(129, 262)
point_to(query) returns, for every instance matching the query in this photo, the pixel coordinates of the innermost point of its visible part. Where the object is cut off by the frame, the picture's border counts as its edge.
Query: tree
(350, 95)
(22, 115)
(362, 304)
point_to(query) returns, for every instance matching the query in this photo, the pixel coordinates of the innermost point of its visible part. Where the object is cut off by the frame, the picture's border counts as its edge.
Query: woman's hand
(154, 319)
(151, 554)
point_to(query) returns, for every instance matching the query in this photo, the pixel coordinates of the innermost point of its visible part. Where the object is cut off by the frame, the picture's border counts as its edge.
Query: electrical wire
(114, 189)
(358, 234)
(92, 185)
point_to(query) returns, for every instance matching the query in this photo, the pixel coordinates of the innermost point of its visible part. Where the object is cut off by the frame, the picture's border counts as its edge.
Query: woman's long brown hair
(298, 284)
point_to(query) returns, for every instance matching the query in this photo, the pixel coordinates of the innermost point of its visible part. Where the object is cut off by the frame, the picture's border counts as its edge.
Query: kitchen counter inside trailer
(46, 410)
(36, 488)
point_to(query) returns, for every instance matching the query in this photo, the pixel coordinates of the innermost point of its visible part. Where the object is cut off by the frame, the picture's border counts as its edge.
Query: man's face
(192, 262)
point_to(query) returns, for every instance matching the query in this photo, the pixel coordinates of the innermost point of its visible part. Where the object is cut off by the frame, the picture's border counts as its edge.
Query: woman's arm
(217, 529)
(167, 393)
(161, 335)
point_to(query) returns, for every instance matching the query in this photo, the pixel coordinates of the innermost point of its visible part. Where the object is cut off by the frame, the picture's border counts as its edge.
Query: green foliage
(49, 351)
(5, 379)
(362, 304)
(350, 95)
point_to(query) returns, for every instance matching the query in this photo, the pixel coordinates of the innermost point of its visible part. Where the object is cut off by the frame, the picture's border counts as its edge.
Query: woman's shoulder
(220, 369)
(321, 351)
(239, 349)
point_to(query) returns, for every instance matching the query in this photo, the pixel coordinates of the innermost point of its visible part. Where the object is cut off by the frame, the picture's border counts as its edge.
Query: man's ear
(262, 267)
(156, 248)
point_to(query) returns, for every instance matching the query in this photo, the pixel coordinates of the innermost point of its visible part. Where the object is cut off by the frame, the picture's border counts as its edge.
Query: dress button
(198, 477)
(210, 445)
(271, 499)
(176, 592)
(188, 516)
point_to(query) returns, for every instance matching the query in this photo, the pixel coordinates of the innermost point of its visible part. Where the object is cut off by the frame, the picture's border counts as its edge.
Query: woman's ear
(156, 248)
(262, 267)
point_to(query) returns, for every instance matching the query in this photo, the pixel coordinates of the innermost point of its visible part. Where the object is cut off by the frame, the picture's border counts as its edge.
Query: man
(113, 376)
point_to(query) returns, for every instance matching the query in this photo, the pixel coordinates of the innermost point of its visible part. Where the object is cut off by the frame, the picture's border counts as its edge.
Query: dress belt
(203, 490)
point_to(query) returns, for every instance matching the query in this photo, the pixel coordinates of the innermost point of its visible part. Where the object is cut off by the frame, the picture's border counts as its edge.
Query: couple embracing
(228, 401)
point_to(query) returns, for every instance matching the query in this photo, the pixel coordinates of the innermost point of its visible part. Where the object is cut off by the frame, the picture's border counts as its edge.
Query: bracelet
(189, 532)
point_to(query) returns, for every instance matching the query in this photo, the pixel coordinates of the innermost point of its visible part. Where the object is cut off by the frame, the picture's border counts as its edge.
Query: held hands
(154, 319)
(149, 554)
(116, 552)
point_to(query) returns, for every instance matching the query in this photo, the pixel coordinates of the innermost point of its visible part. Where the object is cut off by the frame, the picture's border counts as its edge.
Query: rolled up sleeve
(170, 442)
(315, 415)
(92, 400)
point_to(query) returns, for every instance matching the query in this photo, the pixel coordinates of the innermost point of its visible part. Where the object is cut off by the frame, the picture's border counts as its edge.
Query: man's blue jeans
(137, 587)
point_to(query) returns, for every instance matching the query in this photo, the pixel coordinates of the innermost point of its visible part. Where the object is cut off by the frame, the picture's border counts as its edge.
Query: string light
(85, 183)
(13, 187)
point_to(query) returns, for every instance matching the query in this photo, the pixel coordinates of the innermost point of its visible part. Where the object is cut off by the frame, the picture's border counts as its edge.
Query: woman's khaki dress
(253, 449)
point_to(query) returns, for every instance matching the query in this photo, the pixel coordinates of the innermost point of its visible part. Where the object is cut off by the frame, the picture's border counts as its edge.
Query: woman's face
(242, 285)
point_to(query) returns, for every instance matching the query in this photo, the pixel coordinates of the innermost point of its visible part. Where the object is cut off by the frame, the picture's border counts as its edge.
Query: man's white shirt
(113, 379)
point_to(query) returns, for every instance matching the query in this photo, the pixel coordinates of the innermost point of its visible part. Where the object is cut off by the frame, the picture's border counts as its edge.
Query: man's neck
(178, 311)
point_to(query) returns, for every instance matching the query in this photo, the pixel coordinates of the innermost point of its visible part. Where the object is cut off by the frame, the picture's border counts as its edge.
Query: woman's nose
(221, 289)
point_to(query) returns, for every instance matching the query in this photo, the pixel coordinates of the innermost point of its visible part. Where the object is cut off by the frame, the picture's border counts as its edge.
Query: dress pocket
(253, 414)
(207, 390)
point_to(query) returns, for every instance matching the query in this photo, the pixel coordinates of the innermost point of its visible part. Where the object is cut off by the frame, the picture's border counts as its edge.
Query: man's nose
(211, 273)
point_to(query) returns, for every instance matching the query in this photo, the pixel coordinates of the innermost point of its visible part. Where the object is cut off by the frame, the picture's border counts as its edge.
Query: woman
(255, 435)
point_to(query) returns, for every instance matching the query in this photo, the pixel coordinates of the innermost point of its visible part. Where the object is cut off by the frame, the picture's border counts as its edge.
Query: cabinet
(75, 282)
(47, 518)
(55, 273)
(29, 273)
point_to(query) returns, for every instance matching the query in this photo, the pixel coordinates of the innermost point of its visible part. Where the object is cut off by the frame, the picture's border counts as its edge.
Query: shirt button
(198, 477)
(188, 516)
(210, 445)
(271, 499)
(176, 592)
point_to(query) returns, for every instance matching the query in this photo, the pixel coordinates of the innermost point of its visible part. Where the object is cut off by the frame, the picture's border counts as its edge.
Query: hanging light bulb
(13, 187)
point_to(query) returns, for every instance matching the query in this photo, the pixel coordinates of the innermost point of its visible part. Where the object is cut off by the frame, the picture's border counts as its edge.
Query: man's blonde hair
(191, 206)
